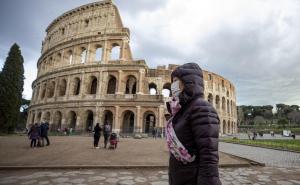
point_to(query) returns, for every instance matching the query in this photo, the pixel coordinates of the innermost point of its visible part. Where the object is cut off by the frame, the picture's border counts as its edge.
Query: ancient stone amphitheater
(87, 74)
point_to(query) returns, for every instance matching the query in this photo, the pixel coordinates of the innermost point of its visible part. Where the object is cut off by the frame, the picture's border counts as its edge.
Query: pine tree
(11, 88)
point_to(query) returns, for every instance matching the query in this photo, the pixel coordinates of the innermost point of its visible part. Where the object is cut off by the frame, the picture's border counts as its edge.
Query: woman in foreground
(192, 131)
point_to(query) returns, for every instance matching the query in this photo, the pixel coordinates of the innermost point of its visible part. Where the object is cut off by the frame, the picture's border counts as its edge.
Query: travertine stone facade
(86, 74)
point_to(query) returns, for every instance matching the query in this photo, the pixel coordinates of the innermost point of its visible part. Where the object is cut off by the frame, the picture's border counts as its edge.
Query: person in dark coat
(33, 135)
(44, 133)
(97, 135)
(193, 130)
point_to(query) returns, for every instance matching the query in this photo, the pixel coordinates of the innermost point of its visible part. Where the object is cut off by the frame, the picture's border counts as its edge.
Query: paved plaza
(268, 156)
(282, 167)
(229, 176)
(79, 150)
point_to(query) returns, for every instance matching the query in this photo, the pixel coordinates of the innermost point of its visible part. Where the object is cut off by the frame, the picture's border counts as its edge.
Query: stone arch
(149, 121)
(37, 94)
(131, 85)
(98, 53)
(57, 121)
(223, 103)
(43, 94)
(111, 85)
(228, 107)
(231, 108)
(50, 63)
(128, 121)
(72, 119)
(46, 117)
(76, 86)
(89, 120)
(167, 90)
(108, 116)
(39, 117)
(69, 57)
(62, 87)
(92, 85)
(50, 89)
(228, 127)
(217, 101)
(210, 98)
(152, 88)
(83, 55)
(115, 52)
(57, 59)
(32, 117)
(224, 127)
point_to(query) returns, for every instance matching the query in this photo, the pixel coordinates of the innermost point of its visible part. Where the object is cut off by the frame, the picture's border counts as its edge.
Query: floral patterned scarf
(176, 148)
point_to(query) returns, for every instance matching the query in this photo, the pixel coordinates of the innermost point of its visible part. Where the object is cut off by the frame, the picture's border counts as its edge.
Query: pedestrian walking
(33, 135)
(97, 135)
(44, 133)
(106, 132)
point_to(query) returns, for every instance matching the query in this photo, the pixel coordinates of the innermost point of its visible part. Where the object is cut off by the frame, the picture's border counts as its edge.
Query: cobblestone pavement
(234, 176)
(268, 156)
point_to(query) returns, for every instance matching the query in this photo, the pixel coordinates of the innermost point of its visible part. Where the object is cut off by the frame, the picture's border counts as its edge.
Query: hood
(192, 77)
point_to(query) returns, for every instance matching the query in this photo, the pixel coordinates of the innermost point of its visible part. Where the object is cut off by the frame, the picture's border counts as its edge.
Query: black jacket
(97, 131)
(197, 127)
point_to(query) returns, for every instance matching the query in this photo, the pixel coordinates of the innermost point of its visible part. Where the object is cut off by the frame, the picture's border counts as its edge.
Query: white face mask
(175, 88)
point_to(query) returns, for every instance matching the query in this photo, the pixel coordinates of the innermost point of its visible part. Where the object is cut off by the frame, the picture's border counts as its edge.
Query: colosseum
(87, 74)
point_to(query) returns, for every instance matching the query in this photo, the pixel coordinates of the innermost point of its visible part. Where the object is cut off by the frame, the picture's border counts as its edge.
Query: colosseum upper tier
(86, 74)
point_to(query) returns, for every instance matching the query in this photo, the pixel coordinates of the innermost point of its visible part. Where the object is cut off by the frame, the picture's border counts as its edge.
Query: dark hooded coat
(197, 127)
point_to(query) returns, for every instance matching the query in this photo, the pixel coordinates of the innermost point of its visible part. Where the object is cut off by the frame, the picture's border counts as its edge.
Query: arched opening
(89, 121)
(166, 92)
(223, 104)
(62, 87)
(72, 119)
(32, 118)
(210, 98)
(232, 127)
(149, 122)
(131, 85)
(70, 57)
(115, 52)
(224, 127)
(50, 88)
(83, 55)
(108, 117)
(37, 93)
(228, 127)
(93, 85)
(46, 117)
(152, 89)
(39, 117)
(98, 53)
(228, 108)
(218, 102)
(57, 121)
(58, 59)
(231, 110)
(111, 86)
(76, 86)
(43, 92)
(227, 94)
(128, 122)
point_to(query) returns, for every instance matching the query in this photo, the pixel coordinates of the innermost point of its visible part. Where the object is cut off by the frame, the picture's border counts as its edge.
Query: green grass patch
(283, 144)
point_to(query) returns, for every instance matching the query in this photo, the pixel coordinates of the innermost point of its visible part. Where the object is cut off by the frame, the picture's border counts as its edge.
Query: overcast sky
(253, 43)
